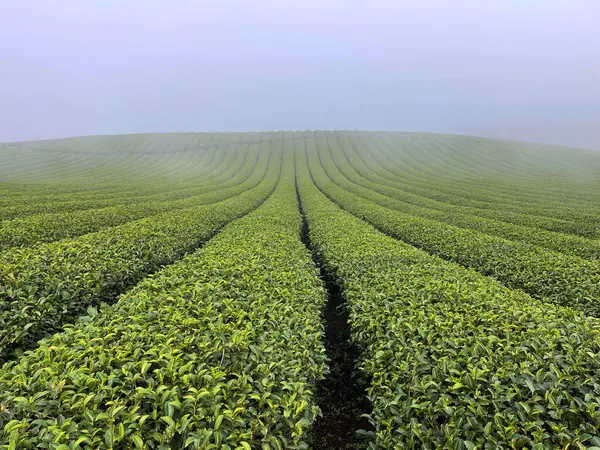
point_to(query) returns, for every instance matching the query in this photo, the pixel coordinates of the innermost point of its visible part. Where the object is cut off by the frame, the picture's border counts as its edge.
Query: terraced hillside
(292, 290)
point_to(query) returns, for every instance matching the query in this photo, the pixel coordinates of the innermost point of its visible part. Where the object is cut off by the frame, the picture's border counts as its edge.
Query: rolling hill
(299, 289)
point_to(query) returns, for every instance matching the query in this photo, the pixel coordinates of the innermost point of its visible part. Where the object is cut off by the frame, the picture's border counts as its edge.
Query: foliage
(19, 206)
(343, 173)
(55, 226)
(548, 275)
(468, 267)
(218, 351)
(457, 360)
(45, 286)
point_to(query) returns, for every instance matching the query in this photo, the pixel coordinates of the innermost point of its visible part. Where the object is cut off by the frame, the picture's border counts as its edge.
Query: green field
(294, 290)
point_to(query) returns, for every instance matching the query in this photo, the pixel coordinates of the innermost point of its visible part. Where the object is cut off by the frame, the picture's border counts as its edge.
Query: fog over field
(309, 224)
(517, 69)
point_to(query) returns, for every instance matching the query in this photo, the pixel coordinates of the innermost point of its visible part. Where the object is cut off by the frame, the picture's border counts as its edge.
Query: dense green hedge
(51, 227)
(463, 177)
(418, 195)
(456, 360)
(343, 175)
(584, 219)
(124, 195)
(218, 351)
(212, 162)
(517, 176)
(545, 274)
(44, 286)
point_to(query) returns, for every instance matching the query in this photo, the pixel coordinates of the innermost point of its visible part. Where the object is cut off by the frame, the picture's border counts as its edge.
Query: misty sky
(518, 69)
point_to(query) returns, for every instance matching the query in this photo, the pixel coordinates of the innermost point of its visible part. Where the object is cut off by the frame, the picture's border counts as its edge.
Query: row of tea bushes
(545, 274)
(454, 358)
(54, 226)
(419, 194)
(43, 287)
(340, 171)
(583, 220)
(121, 195)
(220, 350)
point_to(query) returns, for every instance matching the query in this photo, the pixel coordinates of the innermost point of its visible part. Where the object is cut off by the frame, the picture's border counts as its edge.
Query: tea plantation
(295, 290)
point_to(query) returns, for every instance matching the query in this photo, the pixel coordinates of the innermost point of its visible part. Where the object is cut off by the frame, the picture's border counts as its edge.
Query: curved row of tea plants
(513, 185)
(44, 286)
(464, 196)
(545, 274)
(37, 163)
(218, 351)
(455, 166)
(455, 359)
(81, 196)
(342, 173)
(128, 158)
(39, 205)
(423, 167)
(51, 227)
(450, 165)
(364, 163)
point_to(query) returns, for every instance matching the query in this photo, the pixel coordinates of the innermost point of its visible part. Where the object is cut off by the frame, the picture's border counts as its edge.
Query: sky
(516, 69)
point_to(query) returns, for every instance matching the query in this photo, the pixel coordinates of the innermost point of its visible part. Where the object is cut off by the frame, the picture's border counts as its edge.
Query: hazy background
(519, 69)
